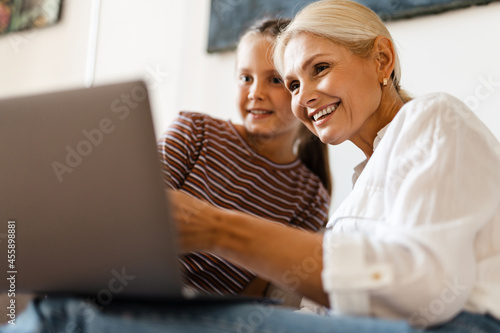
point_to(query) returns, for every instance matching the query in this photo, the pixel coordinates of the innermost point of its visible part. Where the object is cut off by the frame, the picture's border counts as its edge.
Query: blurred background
(165, 43)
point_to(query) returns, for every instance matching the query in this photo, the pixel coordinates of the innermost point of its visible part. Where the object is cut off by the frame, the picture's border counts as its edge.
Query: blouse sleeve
(180, 147)
(430, 186)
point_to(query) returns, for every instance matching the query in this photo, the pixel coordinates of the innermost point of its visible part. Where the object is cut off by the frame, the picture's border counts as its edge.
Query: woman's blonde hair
(346, 23)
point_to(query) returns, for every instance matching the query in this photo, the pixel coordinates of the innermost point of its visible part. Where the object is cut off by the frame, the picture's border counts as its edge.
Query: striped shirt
(208, 159)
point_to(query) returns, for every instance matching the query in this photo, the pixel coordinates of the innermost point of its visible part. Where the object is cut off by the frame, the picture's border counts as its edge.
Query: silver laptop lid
(82, 193)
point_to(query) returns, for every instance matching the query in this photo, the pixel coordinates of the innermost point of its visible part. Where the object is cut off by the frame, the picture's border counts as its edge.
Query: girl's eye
(319, 68)
(277, 80)
(245, 78)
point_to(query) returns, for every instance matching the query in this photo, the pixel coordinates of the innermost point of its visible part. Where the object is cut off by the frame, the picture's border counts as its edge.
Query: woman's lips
(325, 112)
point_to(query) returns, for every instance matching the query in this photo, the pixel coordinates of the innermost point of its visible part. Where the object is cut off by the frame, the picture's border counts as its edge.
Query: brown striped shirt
(208, 159)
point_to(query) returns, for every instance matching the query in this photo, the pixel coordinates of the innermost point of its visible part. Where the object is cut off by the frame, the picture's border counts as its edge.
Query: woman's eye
(293, 86)
(319, 68)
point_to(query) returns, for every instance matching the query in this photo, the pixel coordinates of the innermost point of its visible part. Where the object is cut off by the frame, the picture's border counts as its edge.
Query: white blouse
(419, 235)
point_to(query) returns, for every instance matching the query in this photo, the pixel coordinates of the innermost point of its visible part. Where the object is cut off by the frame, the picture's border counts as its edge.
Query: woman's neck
(389, 106)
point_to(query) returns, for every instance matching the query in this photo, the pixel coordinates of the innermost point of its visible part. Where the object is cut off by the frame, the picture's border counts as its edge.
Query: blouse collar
(360, 167)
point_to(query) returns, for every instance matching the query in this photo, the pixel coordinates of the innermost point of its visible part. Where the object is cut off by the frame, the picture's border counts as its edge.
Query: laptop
(83, 209)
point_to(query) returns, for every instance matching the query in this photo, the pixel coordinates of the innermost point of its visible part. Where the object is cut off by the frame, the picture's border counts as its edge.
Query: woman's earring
(384, 82)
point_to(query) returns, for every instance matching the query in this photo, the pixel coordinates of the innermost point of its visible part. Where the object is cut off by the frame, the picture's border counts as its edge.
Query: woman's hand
(273, 251)
(204, 227)
(196, 222)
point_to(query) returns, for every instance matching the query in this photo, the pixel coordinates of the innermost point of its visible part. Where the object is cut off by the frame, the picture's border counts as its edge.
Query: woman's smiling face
(334, 92)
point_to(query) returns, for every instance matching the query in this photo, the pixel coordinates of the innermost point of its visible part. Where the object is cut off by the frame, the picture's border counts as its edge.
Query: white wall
(164, 42)
(456, 52)
(51, 58)
(144, 41)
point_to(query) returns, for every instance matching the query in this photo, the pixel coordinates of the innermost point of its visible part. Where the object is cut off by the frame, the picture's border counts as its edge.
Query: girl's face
(263, 100)
(334, 93)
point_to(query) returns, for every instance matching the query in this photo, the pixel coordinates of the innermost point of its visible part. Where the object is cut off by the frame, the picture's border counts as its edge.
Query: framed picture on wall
(19, 15)
(229, 18)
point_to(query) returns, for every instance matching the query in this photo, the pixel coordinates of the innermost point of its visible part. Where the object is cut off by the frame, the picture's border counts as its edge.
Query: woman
(418, 239)
(255, 167)
(416, 245)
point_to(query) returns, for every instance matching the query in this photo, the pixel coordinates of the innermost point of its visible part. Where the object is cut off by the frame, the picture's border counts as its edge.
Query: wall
(47, 59)
(144, 40)
(164, 42)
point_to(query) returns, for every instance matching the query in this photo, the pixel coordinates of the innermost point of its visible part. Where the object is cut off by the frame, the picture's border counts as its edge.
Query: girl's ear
(385, 56)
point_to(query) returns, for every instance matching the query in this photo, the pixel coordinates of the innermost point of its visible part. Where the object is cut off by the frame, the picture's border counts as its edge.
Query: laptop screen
(82, 194)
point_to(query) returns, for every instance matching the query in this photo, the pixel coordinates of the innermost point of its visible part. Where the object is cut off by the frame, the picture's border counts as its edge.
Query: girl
(271, 166)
